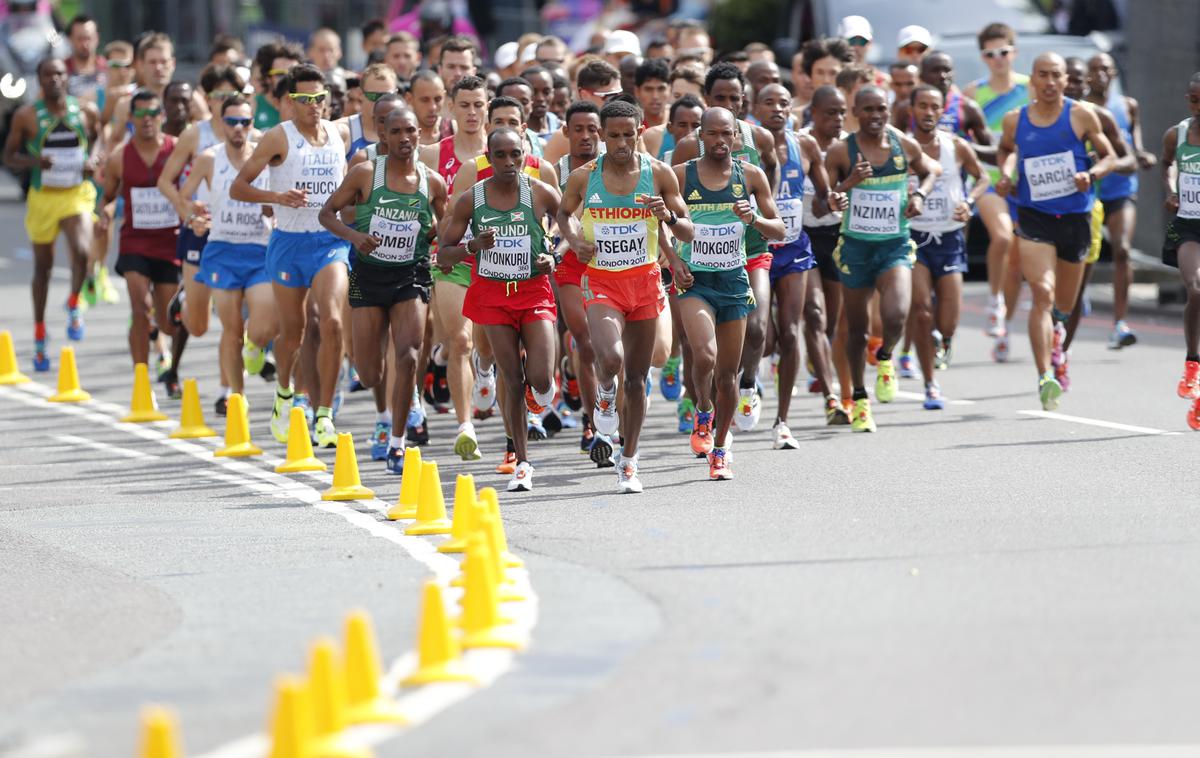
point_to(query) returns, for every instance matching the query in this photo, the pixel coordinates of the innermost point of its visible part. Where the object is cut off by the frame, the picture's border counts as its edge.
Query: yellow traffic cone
(9, 373)
(69, 390)
(346, 484)
(191, 418)
(506, 592)
(160, 734)
(237, 430)
(410, 486)
(299, 450)
(431, 508)
(291, 721)
(481, 622)
(439, 656)
(492, 500)
(327, 690)
(462, 523)
(142, 406)
(367, 703)
(478, 510)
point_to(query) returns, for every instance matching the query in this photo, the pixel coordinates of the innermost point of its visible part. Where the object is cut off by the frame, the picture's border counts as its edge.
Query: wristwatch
(673, 220)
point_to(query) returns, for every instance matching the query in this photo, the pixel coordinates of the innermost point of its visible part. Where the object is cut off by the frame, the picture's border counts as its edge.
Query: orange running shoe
(702, 439)
(509, 464)
(1194, 416)
(1189, 385)
(530, 402)
(718, 465)
(873, 345)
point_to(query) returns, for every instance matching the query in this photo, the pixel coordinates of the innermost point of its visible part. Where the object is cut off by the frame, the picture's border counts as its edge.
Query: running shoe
(537, 432)
(522, 478)
(601, 450)
(427, 385)
(941, 356)
(627, 477)
(395, 460)
(885, 382)
(325, 432)
(74, 324)
(1057, 356)
(604, 414)
(685, 409)
(300, 400)
(339, 394)
(483, 395)
(441, 385)
(933, 397)
(418, 434)
(551, 421)
(175, 307)
(873, 345)
(87, 292)
(1189, 384)
(222, 405)
(585, 439)
(253, 357)
(668, 380)
(1122, 336)
(570, 390)
(105, 289)
(170, 380)
(835, 413)
(531, 403)
(814, 386)
(749, 409)
(784, 439)
(466, 445)
(1193, 418)
(718, 466)
(162, 365)
(702, 439)
(908, 367)
(41, 359)
(509, 464)
(379, 441)
(268, 371)
(1000, 349)
(1049, 391)
(862, 420)
(280, 417)
(995, 320)
(356, 384)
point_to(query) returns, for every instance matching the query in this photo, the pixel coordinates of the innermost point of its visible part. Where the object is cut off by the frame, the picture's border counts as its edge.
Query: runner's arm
(464, 180)
(1145, 158)
(1006, 153)
(112, 185)
(545, 204)
(1127, 162)
(901, 116)
(837, 166)
(1089, 125)
(652, 138)
(428, 155)
(556, 147)
(92, 123)
(438, 199)
(824, 198)
(21, 130)
(549, 175)
(349, 193)
(184, 151)
(970, 162)
(450, 251)
(199, 219)
(766, 220)
(927, 170)
(688, 148)
(766, 152)
(568, 223)
(672, 203)
(975, 125)
(1169, 145)
(272, 147)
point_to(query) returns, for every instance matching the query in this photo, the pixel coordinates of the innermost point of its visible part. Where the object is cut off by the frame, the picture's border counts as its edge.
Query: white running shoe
(483, 393)
(604, 412)
(627, 478)
(995, 320)
(749, 409)
(784, 439)
(1000, 350)
(466, 445)
(522, 478)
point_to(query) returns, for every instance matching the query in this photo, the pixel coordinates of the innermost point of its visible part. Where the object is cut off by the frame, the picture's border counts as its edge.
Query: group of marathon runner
(537, 241)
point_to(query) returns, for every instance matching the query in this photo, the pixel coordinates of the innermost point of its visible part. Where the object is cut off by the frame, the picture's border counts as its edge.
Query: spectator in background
(227, 50)
(760, 51)
(403, 53)
(85, 69)
(912, 44)
(355, 100)
(628, 68)
(856, 30)
(374, 37)
(325, 52)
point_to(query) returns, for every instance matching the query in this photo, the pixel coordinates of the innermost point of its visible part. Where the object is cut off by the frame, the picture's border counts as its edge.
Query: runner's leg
(138, 286)
(1038, 268)
(229, 313)
(329, 292)
(790, 293)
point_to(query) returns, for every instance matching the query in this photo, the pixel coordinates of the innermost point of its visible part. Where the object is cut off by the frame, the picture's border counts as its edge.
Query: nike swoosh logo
(487, 220)
(949, 268)
(386, 200)
(300, 144)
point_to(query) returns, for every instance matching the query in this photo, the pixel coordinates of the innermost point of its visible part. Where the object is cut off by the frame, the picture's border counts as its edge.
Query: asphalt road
(980, 577)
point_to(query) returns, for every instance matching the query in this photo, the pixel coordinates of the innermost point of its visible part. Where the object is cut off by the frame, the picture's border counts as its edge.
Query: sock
(509, 447)
(587, 419)
(466, 426)
(73, 301)
(397, 443)
(746, 383)
(39, 330)
(1058, 316)
(883, 355)
(225, 391)
(860, 393)
(383, 417)
(544, 399)
(609, 390)
(284, 394)
(627, 460)
(324, 411)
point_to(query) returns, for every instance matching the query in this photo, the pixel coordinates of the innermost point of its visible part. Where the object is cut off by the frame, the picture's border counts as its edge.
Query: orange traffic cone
(191, 418)
(431, 508)
(462, 524)
(327, 690)
(69, 390)
(9, 373)
(299, 449)
(160, 734)
(143, 408)
(346, 484)
(410, 486)
(367, 703)
(237, 430)
(481, 622)
(438, 653)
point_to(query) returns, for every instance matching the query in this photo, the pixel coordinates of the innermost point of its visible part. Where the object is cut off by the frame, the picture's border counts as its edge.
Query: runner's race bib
(151, 209)
(875, 212)
(791, 210)
(620, 246)
(1051, 176)
(509, 259)
(66, 169)
(398, 239)
(718, 246)
(937, 209)
(1189, 196)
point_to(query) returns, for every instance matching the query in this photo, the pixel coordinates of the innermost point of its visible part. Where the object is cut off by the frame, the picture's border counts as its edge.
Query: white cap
(529, 54)
(914, 34)
(506, 55)
(622, 41)
(855, 26)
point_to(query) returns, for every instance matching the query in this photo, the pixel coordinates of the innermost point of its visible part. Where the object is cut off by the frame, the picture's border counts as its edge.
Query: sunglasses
(913, 48)
(120, 64)
(374, 96)
(223, 94)
(859, 41)
(999, 52)
(234, 121)
(277, 72)
(606, 96)
(144, 112)
(308, 98)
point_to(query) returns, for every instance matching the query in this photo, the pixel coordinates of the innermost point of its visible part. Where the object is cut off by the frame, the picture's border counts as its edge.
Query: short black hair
(912, 97)
(232, 102)
(687, 101)
(175, 84)
(141, 96)
(504, 101)
(467, 83)
(223, 42)
(504, 130)
(512, 81)
(372, 26)
(459, 44)
(721, 71)
(824, 47)
(652, 68)
(620, 109)
(736, 56)
(216, 74)
(304, 72)
(80, 18)
(823, 93)
(558, 80)
(535, 70)
(580, 106)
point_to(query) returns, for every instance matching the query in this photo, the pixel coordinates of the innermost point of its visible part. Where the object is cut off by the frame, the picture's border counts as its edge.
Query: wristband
(673, 220)
(918, 193)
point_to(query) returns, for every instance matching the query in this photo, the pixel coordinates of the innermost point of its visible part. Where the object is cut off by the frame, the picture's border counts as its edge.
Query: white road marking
(921, 396)
(1096, 422)
(1018, 751)
(105, 447)
(420, 704)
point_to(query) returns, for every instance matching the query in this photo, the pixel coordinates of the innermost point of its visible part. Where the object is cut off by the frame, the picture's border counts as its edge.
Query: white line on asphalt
(104, 447)
(920, 396)
(419, 705)
(1018, 751)
(1096, 422)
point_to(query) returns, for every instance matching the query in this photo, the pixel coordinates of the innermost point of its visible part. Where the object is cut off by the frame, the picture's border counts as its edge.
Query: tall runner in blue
(1045, 142)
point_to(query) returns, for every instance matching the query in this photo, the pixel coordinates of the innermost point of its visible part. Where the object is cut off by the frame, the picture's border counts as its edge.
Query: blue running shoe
(418, 433)
(74, 324)
(668, 379)
(395, 460)
(41, 361)
(601, 451)
(537, 431)
(908, 367)
(933, 397)
(300, 400)
(685, 410)
(379, 442)
(356, 384)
